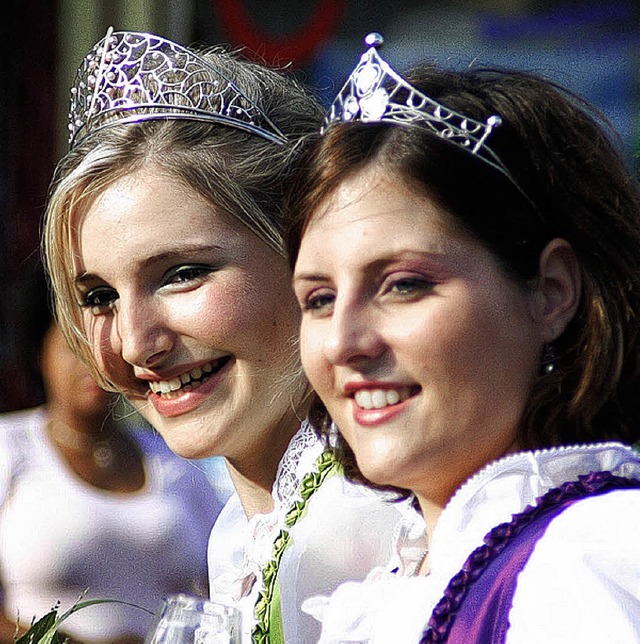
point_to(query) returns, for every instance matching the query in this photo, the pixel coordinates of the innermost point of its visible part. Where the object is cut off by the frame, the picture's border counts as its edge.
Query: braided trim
(497, 539)
(326, 464)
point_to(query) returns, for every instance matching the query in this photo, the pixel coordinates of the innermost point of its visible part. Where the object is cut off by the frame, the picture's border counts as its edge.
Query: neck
(254, 474)
(433, 497)
(255, 497)
(96, 450)
(431, 513)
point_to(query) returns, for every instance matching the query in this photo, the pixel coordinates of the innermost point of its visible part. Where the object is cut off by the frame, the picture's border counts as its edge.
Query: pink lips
(371, 417)
(366, 415)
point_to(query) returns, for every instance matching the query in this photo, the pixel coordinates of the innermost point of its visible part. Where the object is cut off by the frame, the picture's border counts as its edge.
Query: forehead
(373, 200)
(139, 196)
(147, 213)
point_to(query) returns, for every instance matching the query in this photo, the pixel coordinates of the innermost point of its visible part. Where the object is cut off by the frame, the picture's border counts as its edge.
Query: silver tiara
(130, 77)
(374, 93)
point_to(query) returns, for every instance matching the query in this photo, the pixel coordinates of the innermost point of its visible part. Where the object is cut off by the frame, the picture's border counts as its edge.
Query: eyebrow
(307, 277)
(174, 254)
(380, 262)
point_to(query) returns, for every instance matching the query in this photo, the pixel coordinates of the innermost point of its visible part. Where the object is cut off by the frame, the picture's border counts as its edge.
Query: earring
(548, 360)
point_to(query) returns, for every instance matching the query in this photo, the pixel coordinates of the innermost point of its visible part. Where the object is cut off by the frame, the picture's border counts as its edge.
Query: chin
(184, 446)
(377, 473)
(378, 461)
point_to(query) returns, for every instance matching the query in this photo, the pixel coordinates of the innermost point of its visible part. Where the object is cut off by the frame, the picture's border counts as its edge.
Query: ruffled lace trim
(410, 539)
(289, 473)
(297, 462)
(263, 529)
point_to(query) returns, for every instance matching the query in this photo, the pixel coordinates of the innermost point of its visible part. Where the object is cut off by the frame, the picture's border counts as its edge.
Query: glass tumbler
(185, 619)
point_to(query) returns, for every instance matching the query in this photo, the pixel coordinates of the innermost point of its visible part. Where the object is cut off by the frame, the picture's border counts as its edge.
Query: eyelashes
(411, 285)
(103, 298)
(318, 302)
(321, 300)
(99, 299)
(186, 273)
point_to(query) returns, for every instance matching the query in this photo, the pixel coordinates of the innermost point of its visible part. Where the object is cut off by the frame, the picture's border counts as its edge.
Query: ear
(558, 289)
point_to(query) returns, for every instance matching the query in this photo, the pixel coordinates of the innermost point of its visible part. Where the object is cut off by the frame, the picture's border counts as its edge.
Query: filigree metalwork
(130, 77)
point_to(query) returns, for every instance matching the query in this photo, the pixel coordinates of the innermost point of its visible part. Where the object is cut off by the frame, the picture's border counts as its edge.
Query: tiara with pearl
(374, 92)
(130, 77)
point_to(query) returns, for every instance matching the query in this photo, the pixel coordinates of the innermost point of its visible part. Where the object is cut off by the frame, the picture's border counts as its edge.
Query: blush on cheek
(220, 307)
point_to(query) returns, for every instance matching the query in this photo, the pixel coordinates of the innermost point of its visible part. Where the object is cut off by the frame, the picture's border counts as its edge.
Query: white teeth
(182, 381)
(393, 397)
(363, 399)
(379, 398)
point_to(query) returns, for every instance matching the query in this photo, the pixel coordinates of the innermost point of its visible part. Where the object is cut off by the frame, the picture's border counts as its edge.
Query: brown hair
(562, 155)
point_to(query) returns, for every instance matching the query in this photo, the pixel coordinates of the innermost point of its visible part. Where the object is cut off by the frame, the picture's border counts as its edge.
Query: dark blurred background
(590, 46)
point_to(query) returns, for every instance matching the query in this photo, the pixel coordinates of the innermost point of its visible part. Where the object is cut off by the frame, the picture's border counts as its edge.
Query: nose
(145, 337)
(353, 335)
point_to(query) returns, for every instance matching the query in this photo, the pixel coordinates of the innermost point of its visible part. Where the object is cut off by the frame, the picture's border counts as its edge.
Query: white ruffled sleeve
(384, 608)
(347, 531)
(582, 582)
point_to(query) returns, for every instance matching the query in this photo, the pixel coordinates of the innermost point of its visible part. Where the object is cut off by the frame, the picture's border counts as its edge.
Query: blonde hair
(240, 174)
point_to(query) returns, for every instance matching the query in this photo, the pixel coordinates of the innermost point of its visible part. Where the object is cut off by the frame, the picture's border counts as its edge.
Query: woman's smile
(187, 381)
(379, 398)
(192, 394)
(376, 403)
(409, 329)
(191, 313)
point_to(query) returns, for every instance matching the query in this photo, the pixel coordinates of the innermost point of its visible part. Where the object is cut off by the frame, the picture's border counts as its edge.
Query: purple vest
(475, 606)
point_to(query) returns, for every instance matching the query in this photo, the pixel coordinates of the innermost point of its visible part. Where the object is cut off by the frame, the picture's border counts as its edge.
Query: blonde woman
(163, 241)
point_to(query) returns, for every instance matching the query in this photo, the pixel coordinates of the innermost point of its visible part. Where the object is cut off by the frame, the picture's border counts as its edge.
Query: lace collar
(296, 463)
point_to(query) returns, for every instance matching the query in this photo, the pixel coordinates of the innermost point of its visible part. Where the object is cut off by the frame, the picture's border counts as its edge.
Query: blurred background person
(90, 504)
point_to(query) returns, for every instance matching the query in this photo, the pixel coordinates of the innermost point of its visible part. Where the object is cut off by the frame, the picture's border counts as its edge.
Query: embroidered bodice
(593, 542)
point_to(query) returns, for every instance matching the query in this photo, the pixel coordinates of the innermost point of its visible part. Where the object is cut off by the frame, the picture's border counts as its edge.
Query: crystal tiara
(374, 92)
(130, 77)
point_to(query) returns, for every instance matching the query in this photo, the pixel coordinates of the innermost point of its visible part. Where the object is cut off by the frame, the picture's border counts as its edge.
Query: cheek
(105, 345)
(210, 312)
(476, 351)
(313, 364)
(458, 332)
(249, 313)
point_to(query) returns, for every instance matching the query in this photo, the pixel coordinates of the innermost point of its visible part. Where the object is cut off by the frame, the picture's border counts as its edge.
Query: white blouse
(581, 583)
(61, 538)
(346, 531)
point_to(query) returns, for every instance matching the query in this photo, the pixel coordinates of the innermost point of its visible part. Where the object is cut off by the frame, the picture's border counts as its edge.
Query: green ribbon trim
(269, 628)
(275, 617)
